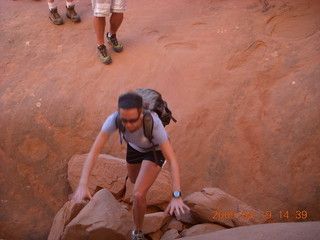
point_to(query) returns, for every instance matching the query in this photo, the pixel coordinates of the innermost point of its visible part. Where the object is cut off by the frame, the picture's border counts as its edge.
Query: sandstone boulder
(278, 231)
(154, 221)
(108, 172)
(214, 205)
(102, 218)
(174, 224)
(155, 235)
(201, 229)
(171, 234)
(160, 192)
(188, 218)
(69, 210)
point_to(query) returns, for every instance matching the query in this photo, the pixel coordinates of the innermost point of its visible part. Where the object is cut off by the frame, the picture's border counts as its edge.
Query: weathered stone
(214, 205)
(201, 229)
(174, 224)
(108, 172)
(69, 210)
(102, 218)
(278, 231)
(187, 217)
(171, 234)
(155, 235)
(159, 194)
(154, 221)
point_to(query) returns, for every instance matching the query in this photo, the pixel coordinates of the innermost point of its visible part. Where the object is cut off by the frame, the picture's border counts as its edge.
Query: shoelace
(114, 40)
(56, 15)
(73, 12)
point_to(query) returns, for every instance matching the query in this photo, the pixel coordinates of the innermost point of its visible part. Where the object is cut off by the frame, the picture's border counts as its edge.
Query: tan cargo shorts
(102, 8)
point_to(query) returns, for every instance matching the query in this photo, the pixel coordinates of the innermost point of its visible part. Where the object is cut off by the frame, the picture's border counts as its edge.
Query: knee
(138, 196)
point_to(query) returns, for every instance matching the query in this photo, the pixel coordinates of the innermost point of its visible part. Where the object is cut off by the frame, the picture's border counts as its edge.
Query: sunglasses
(125, 121)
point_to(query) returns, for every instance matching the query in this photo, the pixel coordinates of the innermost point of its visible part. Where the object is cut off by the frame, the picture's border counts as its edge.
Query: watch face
(176, 194)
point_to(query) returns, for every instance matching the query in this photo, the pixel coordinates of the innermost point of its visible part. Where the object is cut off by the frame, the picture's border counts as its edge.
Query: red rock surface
(242, 78)
(216, 206)
(102, 218)
(65, 215)
(201, 229)
(279, 231)
(108, 172)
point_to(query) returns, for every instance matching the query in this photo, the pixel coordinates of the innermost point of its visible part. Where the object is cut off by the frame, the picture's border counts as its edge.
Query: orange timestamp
(226, 214)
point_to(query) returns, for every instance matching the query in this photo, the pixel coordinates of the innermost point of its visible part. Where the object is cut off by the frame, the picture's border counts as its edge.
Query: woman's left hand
(176, 206)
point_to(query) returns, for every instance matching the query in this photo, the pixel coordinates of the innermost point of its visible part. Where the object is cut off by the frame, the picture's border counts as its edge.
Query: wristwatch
(176, 194)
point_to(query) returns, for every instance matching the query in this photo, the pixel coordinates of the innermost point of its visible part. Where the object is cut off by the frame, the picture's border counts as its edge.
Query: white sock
(51, 5)
(69, 4)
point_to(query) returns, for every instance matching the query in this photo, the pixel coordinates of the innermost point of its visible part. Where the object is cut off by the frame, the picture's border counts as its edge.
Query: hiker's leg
(146, 177)
(99, 24)
(133, 171)
(115, 22)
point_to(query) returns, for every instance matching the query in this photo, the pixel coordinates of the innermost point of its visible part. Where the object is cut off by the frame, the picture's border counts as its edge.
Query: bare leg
(133, 171)
(99, 24)
(146, 177)
(115, 22)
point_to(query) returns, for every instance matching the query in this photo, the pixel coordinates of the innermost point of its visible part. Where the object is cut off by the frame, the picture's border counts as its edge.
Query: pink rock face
(241, 77)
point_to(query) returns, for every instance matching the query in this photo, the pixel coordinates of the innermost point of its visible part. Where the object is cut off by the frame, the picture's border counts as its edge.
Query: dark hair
(130, 100)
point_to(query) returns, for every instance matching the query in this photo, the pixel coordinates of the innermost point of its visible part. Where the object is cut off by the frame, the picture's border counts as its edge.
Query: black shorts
(134, 156)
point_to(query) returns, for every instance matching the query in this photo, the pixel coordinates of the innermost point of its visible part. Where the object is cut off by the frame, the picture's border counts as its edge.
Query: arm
(170, 155)
(176, 204)
(82, 191)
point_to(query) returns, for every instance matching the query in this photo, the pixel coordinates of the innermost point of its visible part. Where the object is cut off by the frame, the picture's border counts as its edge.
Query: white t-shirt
(136, 139)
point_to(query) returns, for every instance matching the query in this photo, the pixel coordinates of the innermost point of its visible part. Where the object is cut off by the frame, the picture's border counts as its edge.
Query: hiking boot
(105, 58)
(72, 14)
(117, 47)
(137, 235)
(55, 16)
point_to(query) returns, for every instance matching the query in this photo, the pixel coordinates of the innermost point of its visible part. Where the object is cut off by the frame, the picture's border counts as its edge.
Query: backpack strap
(169, 117)
(147, 124)
(121, 128)
(148, 129)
